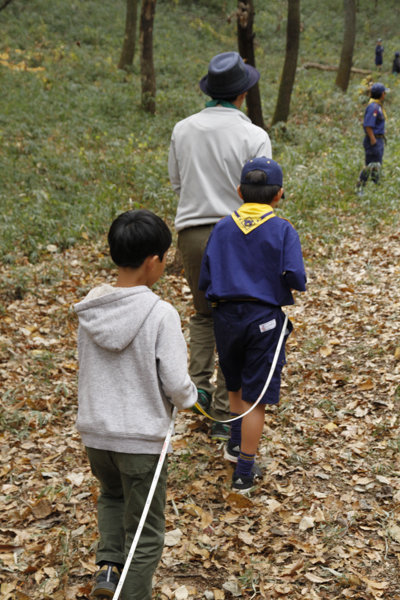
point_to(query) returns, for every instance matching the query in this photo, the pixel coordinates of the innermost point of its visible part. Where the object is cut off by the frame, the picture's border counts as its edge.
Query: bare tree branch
(314, 65)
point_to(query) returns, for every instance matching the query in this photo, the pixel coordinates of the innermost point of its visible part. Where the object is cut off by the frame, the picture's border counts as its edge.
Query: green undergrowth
(76, 147)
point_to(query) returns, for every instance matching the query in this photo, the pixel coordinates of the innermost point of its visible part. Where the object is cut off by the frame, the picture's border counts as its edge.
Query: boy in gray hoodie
(132, 370)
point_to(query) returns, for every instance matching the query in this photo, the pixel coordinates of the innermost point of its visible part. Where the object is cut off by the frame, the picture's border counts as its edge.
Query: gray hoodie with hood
(132, 369)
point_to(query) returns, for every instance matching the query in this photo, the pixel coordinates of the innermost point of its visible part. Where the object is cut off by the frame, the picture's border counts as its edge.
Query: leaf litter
(324, 522)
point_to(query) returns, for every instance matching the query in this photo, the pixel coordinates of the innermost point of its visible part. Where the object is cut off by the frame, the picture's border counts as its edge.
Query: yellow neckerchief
(372, 100)
(251, 215)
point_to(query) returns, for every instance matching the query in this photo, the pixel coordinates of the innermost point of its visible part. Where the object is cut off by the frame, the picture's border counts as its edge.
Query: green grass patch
(76, 148)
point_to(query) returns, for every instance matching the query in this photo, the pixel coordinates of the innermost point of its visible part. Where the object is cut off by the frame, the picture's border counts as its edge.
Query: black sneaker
(204, 400)
(220, 432)
(243, 485)
(231, 452)
(106, 581)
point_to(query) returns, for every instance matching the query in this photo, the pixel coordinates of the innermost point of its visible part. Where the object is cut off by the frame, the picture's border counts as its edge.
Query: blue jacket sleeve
(293, 265)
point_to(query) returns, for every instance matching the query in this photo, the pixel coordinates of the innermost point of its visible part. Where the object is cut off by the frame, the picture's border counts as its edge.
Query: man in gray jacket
(207, 154)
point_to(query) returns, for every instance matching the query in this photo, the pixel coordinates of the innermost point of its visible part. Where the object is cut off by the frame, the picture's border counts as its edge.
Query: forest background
(76, 149)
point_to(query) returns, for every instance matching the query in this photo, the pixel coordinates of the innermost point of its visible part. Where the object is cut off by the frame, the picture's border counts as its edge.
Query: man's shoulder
(197, 116)
(189, 118)
(237, 117)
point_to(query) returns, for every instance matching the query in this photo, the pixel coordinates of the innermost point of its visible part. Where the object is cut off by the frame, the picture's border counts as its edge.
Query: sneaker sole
(243, 492)
(103, 594)
(103, 591)
(219, 438)
(230, 457)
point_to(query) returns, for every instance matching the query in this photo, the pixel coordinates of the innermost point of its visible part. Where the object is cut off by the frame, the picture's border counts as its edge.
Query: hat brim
(254, 76)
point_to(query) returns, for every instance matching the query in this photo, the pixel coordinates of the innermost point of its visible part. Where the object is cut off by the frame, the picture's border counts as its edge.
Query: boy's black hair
(376, 95)
(135, 235)
(255, 192)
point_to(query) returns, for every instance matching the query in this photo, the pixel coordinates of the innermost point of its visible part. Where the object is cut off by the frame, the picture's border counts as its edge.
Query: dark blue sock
(236, 431)
(244, 465)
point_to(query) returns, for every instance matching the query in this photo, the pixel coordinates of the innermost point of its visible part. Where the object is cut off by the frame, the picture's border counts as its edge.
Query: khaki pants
(192, 243)
(125, 481)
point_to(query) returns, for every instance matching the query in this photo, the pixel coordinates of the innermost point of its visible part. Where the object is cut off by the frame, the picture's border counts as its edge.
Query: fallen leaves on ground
(325, 520)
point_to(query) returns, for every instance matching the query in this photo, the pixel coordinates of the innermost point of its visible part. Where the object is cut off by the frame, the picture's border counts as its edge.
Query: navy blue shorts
(247, 334)
(373, 153)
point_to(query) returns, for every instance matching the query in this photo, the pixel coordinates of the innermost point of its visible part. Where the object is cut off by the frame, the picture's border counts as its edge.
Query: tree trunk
(128, 48)
(349, 38)
(245, 19)
(289, 68)
(148, 75)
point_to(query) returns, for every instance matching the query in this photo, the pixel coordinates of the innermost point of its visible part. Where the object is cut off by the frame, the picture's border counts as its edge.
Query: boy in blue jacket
(374, 140)
(252, 260)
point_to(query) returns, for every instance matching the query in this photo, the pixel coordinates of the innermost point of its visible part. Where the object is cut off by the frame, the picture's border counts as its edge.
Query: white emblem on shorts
(268, 326)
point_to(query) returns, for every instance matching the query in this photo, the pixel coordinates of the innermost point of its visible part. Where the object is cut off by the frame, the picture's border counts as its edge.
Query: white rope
(164, 452)
(146, 507)
(271, 372)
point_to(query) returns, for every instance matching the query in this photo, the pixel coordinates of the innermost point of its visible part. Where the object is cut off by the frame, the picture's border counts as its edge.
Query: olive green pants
(192, 243)
(125, 481)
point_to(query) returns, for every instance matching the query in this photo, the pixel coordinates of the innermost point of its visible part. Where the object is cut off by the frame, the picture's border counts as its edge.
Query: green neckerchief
(372, 100)
(223, 103)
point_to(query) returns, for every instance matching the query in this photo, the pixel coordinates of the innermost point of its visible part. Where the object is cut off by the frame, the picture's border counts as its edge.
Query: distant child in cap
(396, 64)
(374, 139)
(379, 50)
(252, 261)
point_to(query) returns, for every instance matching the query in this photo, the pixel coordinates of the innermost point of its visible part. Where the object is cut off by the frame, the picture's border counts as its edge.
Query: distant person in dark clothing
(396, 64)
(379, 50)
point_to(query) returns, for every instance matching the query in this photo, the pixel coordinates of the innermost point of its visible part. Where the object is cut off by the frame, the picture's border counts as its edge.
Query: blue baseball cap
(268, 166)
(378, 89)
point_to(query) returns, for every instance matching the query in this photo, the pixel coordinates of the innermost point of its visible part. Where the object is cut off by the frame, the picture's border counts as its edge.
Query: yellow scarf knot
(251, 215)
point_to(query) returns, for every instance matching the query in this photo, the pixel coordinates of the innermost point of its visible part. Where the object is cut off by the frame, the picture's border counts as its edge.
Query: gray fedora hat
(228, 76)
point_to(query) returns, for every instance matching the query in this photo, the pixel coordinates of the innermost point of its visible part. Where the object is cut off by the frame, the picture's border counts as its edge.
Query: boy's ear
(239, 191)
(278, 196)
(151, 261)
